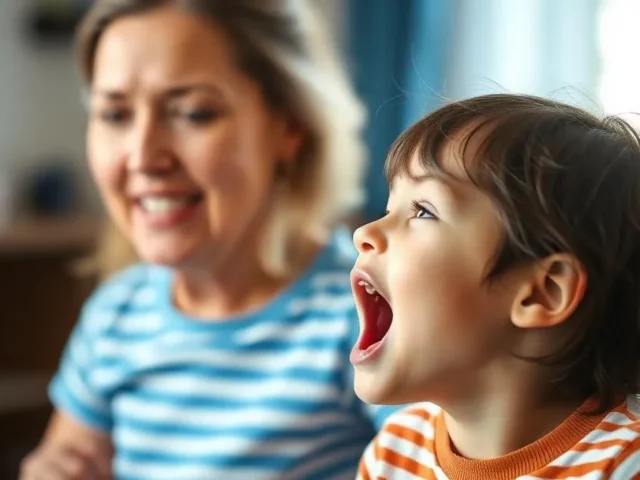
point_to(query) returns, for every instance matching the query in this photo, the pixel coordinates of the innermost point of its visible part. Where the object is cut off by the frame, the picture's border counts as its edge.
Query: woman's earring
(283, 170)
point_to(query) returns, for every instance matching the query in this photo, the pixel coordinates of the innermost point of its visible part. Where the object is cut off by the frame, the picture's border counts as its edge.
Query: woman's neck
(231, 289)
(216, 297)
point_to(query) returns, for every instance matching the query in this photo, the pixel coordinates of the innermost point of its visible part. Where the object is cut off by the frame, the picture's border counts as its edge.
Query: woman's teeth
(161, 205)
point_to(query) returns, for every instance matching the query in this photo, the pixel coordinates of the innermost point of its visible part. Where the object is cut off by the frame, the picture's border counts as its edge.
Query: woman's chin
(168, 254)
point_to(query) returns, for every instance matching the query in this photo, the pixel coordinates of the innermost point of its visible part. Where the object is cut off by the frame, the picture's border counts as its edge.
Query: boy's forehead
(448, 177)
(457, 158)
(418, 174)
(450, 166)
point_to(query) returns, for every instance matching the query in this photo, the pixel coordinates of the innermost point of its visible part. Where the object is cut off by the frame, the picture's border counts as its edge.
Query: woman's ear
(293, 138)
(552, 293)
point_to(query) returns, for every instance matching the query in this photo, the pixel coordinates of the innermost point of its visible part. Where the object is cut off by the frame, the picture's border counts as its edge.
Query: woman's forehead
(138, 45)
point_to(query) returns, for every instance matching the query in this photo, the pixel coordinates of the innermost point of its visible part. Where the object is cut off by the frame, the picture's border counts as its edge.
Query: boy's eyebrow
(429, 176)
(437, 178)
(443, 183)
(419, 179)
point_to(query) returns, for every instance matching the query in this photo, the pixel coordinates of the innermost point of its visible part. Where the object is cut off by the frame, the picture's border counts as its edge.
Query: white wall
(542, 47)
(335, 12)
(618, 39)
(40, 111)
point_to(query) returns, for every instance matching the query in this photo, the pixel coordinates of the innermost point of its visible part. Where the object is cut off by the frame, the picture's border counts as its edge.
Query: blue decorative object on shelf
(55, 20)
(53, 191)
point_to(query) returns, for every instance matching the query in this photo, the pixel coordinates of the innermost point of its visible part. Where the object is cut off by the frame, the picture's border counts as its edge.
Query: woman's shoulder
(324, 290)
(333, 267)
(339, 254)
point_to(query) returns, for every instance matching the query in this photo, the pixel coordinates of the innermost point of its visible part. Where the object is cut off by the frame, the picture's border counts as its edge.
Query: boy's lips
(376, 315)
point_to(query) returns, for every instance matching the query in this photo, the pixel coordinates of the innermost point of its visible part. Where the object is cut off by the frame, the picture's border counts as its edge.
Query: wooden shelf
(20, 391)
(43, 236)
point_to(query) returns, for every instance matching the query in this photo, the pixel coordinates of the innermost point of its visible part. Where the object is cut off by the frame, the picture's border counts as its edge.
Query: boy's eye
(420, 211)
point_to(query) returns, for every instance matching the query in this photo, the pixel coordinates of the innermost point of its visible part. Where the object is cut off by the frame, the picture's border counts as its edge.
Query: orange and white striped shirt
(414, 444)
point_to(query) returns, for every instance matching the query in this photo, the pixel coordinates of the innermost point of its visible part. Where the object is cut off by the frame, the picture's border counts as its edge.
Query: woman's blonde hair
(284, 46)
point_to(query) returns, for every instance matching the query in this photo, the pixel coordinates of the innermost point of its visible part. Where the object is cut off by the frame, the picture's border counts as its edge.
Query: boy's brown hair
(564, 181)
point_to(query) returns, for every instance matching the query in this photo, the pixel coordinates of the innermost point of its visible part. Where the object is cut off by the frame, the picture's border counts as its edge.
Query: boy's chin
(377, 388)
(373, 388)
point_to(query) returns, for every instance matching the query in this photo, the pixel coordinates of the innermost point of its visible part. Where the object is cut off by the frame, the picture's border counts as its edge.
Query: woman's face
(181, 142)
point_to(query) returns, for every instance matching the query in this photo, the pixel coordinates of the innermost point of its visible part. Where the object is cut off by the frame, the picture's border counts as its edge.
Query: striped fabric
(414, 444)
(263, 396)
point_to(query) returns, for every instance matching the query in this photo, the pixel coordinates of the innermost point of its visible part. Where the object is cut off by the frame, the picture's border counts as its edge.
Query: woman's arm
(69, 450)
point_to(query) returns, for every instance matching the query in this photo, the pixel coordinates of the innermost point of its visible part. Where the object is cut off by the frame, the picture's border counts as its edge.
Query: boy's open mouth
(377, 317)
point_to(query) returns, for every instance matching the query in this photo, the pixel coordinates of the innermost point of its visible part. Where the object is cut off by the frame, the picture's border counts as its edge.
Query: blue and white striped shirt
(268, 395)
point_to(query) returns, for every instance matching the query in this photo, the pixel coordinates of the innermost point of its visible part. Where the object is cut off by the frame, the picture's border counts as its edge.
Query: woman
(224, 139)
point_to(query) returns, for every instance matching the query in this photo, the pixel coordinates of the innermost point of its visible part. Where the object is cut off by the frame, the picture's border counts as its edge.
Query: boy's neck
(530, 455)
(501, 424)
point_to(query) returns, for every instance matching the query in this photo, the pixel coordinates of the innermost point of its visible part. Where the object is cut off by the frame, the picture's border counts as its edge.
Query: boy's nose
(370, 238)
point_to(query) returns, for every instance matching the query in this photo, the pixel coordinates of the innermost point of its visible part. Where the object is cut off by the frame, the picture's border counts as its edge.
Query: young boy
(503, 286)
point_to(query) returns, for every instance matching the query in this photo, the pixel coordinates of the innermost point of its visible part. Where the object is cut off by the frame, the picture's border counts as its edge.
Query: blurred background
(406, 57)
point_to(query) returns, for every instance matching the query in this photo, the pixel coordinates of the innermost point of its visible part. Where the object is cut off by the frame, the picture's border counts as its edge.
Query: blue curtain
(398, 50)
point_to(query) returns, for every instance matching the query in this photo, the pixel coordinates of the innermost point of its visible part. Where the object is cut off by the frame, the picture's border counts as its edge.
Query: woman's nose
(149, 150)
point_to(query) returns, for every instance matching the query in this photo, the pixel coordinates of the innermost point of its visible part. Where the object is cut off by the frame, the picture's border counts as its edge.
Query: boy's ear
(552, 293)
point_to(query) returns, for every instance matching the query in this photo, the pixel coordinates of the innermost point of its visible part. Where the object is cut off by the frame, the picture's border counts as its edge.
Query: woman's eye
(199, 117)
(114, 116)
(421, 211)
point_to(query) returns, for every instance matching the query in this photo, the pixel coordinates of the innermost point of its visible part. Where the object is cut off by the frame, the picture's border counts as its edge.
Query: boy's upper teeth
(367, 286)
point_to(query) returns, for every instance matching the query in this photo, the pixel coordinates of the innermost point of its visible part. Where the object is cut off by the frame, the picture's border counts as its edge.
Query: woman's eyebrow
(181, 90)
(173, 91)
